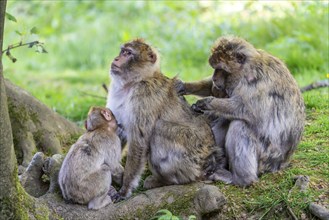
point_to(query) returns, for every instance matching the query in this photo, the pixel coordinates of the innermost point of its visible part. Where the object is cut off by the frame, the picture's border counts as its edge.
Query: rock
(302, 182)
(319, 211)
(208, 200)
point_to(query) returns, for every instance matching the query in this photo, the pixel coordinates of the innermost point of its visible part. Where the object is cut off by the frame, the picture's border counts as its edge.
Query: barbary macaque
(161, 127)
(263, 105)
(93, 161)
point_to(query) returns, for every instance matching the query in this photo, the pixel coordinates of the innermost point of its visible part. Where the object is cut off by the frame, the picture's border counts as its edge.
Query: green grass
(82, 37)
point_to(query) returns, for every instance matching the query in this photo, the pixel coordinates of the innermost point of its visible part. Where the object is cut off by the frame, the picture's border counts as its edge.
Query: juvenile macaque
(263, 104)
(88, 168)
(161, 127)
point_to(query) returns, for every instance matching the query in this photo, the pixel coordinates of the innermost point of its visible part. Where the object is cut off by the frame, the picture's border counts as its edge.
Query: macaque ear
(106, 115)
(217, 66)
(86, 125)
(251, 78)
(153, 57)
(241, 58)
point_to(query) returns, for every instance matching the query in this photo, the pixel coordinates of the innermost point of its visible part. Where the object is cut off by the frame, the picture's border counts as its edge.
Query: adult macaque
(88, 168)
(161, 127)
(263, 104)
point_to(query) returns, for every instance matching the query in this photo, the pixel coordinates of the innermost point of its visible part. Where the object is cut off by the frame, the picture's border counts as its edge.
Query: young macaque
(93, 161)
(263, 104)
(161, 128)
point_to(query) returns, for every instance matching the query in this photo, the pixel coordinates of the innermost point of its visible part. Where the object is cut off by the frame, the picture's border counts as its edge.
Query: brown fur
(161, 127)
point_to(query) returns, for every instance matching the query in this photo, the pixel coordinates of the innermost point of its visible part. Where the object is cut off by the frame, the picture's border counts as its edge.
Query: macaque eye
(126, 52)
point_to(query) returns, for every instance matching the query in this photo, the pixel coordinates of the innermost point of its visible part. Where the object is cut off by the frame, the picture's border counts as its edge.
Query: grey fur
(264, 105)
(91, 163)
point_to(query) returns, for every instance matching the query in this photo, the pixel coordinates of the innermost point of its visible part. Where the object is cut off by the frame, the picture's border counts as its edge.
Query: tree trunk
(8, 170)
(36, 127)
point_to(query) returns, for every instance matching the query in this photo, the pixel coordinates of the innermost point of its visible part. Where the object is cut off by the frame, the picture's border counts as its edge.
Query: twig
(292, 213)
(92, 95)
(20, 44)
(105, 88)
(38, 44)
(315, 85)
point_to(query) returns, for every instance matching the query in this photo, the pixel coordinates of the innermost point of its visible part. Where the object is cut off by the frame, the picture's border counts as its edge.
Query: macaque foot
(99, 202)
(117, 198)
(123, 194)
(152, 182)
(112, 192)
(221, 175)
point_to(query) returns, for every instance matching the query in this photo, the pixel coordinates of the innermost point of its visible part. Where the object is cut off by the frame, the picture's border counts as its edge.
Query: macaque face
(121, 63)
(219, 78)
(133, 56)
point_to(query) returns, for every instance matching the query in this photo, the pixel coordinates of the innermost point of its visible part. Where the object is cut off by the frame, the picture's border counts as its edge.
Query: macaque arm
(122, 135)
(201, 88)
(141, 124)
(136, 160)
(231, 109)
(117, 174)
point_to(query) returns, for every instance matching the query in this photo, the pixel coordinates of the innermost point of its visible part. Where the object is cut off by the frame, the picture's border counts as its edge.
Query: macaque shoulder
(152, 87)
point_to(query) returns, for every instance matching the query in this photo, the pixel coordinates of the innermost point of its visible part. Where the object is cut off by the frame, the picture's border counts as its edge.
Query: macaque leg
(117, 174)
(99, 202)
(241, 148)
(103, 180)
(219, 128)
(169, 160)
(153, 182)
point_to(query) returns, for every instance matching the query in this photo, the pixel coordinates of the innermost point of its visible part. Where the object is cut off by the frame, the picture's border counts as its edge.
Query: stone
(209, 199)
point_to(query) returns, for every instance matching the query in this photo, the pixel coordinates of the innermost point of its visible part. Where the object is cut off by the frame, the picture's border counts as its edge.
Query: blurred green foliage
(82, 37)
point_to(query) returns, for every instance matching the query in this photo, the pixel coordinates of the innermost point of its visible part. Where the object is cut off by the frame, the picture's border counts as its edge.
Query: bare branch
(315, 85)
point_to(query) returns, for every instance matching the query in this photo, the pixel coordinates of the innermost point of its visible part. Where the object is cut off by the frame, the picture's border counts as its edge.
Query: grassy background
(82, 37)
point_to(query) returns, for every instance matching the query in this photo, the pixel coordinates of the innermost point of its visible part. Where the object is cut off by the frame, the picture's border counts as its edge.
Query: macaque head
(100, 117)
(136, 60)
(231, 57)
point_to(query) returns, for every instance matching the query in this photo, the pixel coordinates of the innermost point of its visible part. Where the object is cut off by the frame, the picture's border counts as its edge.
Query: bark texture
(8, 175)
(36, 127)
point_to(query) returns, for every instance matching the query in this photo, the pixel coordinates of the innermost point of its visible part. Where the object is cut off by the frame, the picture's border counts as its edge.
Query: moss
(18, 118)
(18, 112)
(67, 141)
(180, 206)
(21, 206)
(145, 213)
(41, 212)
(14, 206)
(34, 117)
